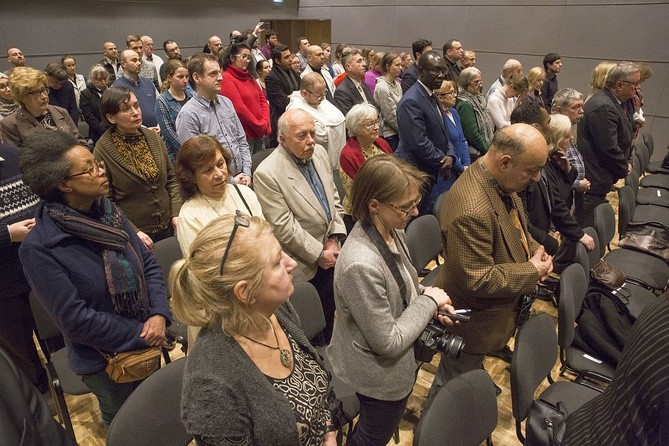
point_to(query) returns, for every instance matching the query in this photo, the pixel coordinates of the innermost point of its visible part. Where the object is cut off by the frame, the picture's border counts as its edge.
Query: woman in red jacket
(246, 95)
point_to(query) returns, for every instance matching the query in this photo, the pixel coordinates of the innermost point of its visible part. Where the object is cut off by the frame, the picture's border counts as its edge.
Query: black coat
(279, 83)
(90, 102)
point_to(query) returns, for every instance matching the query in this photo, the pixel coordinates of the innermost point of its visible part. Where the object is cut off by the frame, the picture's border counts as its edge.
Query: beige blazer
(288, 203)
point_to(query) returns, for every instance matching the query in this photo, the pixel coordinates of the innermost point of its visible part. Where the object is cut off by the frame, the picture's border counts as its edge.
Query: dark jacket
(18, 126)
(64, 97)
(279, 83)
(347, 95)
(409, 77)
(90, 102)
(68, 277)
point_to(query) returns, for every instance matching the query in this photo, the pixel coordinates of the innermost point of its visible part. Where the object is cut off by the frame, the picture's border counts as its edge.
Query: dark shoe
(498, 391)
(504, 354)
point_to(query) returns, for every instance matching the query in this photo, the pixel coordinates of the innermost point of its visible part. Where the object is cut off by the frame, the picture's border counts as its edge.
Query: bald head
(315, 56)
(312, 89)
(215, 44)
(15, 57)
(516, 156)
(511, 68)
(147, 45)
(297, 133)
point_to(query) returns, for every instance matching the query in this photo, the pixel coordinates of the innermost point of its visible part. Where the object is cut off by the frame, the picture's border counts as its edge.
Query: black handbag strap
(243, 200)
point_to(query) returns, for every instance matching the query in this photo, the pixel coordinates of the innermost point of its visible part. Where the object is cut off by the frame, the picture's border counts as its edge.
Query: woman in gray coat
(381, 309)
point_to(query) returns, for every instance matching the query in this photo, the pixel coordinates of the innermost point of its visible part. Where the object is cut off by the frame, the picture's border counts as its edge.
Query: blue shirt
(146, 96)
(167, 109)
(218, 119)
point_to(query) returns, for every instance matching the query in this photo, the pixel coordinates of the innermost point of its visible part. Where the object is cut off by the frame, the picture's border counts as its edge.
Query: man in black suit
(410, 75)
(605, 138)
(352, 90)
(280, 84)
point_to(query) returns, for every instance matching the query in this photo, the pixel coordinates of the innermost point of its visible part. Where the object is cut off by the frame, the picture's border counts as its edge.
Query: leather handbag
(646, 238)
(136, 365)
(545, 423)
(609, 276)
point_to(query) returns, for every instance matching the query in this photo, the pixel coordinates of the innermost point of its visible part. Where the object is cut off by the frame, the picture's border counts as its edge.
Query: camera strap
(389, 258)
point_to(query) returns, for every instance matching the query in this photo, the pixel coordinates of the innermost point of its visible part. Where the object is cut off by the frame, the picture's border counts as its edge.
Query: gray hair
(510, 65)
(43, 163)
(620, 72)
(98, 71)
(357, 115)
(563, 98)
(347, 53)
(466, 76)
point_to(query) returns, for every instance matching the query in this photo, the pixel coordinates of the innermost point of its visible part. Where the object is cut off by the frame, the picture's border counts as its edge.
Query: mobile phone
(455, 317)
(265, 26)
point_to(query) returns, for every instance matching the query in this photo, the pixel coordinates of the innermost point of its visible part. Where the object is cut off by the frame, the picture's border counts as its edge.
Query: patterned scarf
(483, 118)
(135, 151)
(103, 228)
(7, 108)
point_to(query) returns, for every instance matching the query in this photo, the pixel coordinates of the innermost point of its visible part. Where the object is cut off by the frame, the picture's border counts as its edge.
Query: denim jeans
(111, 395)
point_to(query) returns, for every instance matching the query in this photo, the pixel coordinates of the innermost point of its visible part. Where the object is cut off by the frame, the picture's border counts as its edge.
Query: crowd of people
(362, 142)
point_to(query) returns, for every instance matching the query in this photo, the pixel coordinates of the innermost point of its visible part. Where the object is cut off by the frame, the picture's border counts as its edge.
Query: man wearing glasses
(605, 138)
(298, 196)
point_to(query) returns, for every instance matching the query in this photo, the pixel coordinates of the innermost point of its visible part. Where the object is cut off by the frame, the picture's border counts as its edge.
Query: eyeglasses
(633, 84)
(240, 220)
(44, 90)
(319, 97)
(4, 86)
(448, 93)
(477, 83)
(93, 171)
(245, 57)
(371, 125)
(406, 212)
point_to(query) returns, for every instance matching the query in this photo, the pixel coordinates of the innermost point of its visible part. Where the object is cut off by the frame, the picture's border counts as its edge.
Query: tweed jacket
(20, 125)
(289, 204)
(485, 268)
(149, 206)
(605, 141)
(373, 336)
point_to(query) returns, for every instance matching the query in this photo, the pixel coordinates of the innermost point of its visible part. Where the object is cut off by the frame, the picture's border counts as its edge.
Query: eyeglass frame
(240, 220)
(448, 93)
(44, 90)
(93, 171)
(633, 84)
(406, 213)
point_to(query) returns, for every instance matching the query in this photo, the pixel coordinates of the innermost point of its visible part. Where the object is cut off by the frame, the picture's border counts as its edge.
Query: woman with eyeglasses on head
(252, 377)
(381, 308)
(447, 96)
(100, 284)
(247, 98)
(362, 123)
(141, 177)
(29, 88)
(475, 118)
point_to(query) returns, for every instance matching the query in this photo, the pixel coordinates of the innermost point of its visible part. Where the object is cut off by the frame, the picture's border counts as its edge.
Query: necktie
(515, 218)
(362, 93)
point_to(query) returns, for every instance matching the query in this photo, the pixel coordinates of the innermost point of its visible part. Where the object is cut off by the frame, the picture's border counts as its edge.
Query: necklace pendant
(285, 357)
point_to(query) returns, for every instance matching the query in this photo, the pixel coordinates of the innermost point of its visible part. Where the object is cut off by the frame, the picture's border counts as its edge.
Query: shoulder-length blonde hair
(559, 125)
(24, 79)
(201, 296)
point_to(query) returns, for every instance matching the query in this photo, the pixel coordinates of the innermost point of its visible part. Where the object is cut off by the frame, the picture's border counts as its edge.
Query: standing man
(209, 113)
(490, 259)
(302, 47)
(142, 87)
(423, 133)
(552, 66)
(280, 83)
(149, 58)
(172, 51)
(16, 58)
(61, 90)
(214, 45)
(147, 70)
(316, 64)
(352, 90)
(410, 75)
(110, 61)
(468, 59)
(452, 54)
(511, 68)
(298, 196)
(271, 40)
(605, 138)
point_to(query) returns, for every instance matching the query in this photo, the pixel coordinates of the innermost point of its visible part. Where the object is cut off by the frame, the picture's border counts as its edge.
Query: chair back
(534, 356)
(259, 157)
(626, 205)
(636, 163)
(464, 412)
(573, 287)
(605, 225)
(632, 180)
(650, 143)
(307, 304)
(151, 416)
(436, 210)
(167, 251)
(644, 156)
(423, 240)
(47, 329)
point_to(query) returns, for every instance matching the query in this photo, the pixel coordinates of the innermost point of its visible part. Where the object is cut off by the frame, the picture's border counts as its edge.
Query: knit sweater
(248, 100)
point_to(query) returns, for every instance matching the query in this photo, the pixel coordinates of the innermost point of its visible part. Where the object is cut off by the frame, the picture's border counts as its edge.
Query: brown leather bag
(653, 240)
(136, 365)
(607, 275)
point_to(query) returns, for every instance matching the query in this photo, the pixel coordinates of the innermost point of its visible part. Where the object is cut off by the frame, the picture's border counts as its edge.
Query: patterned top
(306, 388)
(167, 109)
(576, 161)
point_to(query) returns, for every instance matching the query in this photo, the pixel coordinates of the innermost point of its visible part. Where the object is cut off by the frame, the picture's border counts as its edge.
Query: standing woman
(374, 72)
(77, 80)
(535, 79)
(140, 174)
(381, 308)
(169, 103)
(474, 116)
(327, 55)
(447, 96)
(337, 67)
(100, 284)
(247, 98)
(503, 100)
(252, 378)
(263, 68)
(387, 94)
(91, 101)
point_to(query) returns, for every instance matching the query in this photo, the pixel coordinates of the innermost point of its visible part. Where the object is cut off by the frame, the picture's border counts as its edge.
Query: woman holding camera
(381, 308)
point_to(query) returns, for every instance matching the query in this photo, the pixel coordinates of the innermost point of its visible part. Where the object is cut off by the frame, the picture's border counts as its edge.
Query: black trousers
(584, 208)
(377, 421)
(324, 283)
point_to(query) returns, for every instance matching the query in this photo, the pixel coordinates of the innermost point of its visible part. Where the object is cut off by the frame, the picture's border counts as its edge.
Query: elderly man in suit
(280, 83)
(491, 261)
(423, 133)
(298, 196)
(352, 90)
(605, 138)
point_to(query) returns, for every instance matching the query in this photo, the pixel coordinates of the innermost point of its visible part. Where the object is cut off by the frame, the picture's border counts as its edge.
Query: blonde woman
(535, 79)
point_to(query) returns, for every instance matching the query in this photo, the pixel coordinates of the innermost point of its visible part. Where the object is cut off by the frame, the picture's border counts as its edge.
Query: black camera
(435, 339)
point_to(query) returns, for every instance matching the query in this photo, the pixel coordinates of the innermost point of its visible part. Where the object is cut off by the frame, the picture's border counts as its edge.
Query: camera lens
(451, 345)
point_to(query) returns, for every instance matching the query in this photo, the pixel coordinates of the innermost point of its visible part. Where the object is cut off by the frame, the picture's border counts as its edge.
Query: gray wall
(583, 33)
